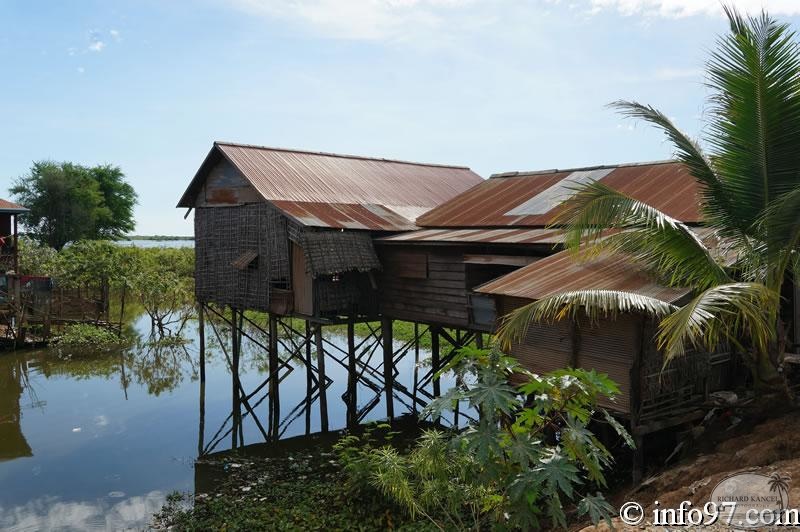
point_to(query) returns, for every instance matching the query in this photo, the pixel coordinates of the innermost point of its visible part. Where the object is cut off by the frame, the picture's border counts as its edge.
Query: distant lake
(157, 243)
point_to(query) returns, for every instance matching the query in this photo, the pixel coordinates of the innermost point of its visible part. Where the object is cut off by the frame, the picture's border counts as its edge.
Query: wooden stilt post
(416, 369)
(351, 375)
(435, 360)
(201, 431)
(236, 418)
(479, 340)
(309, 379)
(635, 405)
(388, 365)
(201, 331)
(323, 392)
(274, 397)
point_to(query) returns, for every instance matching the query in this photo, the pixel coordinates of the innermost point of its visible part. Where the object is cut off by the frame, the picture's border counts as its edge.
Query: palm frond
(754, 126)
(726, 312)
(658, 241)
(594, 304)
(717, 204)
(780, 225)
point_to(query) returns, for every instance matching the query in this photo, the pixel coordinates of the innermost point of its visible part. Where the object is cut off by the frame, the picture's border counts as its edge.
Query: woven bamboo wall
(225, 239)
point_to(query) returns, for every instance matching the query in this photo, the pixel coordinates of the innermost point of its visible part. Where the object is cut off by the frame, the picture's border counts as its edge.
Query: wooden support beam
(416, 369)
(201, 331)
(636, 402)
(274, 391)
(435, 360)
(309, 377)
(352, 376)
(388, 365)
(235, 400)
(201, 431)
(323, 393)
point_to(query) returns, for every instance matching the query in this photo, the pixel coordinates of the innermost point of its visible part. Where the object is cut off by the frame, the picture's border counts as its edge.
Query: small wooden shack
(290, 232)
(651, 395)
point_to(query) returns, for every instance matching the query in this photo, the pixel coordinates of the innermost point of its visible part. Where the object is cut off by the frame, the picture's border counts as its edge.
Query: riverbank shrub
(90, 337)
(529, 456)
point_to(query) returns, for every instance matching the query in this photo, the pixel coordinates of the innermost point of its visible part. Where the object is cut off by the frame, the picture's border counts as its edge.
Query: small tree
(70, 202)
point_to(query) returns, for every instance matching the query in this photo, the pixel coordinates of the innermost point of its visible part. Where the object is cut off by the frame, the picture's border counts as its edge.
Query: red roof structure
(531, 199)
(339, 191)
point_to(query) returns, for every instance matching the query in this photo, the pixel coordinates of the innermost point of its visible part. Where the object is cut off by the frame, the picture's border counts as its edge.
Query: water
(157, 243)
(98, 441)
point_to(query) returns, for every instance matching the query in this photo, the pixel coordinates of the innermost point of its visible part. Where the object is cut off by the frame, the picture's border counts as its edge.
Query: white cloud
(360, 19)
(81, 70)
(115, 35)
(684, 8)
(96, 44)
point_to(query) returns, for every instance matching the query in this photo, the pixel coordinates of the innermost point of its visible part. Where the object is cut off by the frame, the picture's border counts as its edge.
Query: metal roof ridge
(580, 168)
(340, 155)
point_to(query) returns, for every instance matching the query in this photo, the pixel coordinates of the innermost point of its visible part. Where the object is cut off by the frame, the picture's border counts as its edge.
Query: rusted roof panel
(9, 207)
(562, 273)
(313, 179)
(530, 199)
(482, 236)
(345, 216)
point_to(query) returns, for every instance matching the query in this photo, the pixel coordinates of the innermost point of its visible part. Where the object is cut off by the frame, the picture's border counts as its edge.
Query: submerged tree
(69, 202)
(749, 179)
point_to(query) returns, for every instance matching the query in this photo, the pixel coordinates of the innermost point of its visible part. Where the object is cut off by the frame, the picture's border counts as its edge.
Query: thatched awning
(330, 252)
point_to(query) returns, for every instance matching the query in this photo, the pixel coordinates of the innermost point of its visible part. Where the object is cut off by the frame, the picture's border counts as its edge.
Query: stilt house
(290, 232)
(489, 250)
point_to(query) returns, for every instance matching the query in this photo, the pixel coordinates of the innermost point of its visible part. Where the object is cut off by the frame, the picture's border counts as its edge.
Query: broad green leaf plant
(528, 458)
(749, 183)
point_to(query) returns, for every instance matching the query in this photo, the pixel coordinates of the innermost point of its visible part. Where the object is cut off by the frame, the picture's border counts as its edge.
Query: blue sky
(497, 85)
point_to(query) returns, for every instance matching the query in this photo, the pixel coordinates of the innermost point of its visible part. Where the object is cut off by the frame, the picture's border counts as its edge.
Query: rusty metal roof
(332, 190)
(562, 272)
(9, 207)
(530, 199)
(345, 216)
(480, 236)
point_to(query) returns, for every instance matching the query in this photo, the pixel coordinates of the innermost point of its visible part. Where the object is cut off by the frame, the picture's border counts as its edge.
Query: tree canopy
(70, 202)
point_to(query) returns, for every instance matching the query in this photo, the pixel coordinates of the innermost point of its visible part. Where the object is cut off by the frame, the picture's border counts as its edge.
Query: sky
(496, 85)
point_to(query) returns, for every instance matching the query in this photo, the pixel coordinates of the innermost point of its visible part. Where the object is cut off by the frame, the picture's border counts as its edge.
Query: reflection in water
(51, 513)
(95, 427)
(13, 445)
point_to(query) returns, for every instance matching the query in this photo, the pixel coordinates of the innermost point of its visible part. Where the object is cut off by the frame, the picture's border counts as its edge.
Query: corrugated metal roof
(482, 236)
(9, 207)
(320, 184)
(562, 273)
(530, 199)
(345, 216)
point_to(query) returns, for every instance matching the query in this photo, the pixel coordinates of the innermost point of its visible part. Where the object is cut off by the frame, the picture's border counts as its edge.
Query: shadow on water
(97, 440)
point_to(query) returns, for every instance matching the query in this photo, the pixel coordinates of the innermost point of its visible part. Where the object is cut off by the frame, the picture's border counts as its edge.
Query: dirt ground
(769, 446)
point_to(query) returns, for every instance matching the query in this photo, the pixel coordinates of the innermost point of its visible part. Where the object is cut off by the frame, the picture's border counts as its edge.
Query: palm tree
(749, 179)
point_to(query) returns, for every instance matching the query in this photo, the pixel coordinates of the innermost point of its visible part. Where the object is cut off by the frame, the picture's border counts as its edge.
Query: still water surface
(98, 441)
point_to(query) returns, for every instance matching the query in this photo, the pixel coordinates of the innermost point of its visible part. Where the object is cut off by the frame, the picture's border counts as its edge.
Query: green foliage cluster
(160, 279)
(70, 202)
(86, 336)
(529, 455)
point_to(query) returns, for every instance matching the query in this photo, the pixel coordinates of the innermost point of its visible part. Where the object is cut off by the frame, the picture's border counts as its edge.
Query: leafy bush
(530, 452)
(36, 258)
(90, 337)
